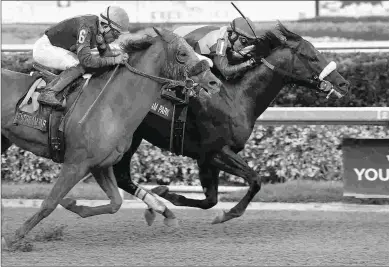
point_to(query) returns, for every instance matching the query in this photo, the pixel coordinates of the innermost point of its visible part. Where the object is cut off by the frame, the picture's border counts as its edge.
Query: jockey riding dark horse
(223, 45)
(67, 46)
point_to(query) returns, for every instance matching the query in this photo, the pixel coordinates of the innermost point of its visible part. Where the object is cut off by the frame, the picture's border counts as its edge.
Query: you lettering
(372, 174)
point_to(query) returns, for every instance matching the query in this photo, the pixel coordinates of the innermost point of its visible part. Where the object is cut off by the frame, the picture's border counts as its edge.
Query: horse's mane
(130, 46)
(273, 37)
(170, 70)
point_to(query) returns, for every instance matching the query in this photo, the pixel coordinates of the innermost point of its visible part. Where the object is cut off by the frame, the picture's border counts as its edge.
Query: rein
(188, 83)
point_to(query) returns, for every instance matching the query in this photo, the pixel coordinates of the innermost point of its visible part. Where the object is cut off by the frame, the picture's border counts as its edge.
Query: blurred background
(37, 15)
(325, 23)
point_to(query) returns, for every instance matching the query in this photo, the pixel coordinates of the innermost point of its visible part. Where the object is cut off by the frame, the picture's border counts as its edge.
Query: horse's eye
(181, 56)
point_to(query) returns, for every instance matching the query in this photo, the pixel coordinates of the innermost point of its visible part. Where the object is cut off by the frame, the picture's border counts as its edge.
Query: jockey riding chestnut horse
(67, 46)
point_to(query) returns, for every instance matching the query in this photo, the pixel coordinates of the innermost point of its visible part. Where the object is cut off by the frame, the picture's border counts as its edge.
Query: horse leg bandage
(150, 200)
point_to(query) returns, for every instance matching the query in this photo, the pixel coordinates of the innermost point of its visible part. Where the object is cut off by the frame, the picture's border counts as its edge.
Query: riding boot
(47, 96)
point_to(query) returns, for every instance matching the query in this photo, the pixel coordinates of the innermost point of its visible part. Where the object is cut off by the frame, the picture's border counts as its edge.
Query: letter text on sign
(365, 167)
(359, 173)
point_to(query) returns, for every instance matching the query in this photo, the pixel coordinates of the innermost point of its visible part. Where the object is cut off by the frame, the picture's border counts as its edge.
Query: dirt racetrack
(257, 238)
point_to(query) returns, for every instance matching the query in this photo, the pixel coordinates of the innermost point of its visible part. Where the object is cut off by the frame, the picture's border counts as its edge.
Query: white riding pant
(53, 56)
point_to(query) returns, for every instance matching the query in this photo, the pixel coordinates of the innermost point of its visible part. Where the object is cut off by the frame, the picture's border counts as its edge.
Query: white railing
(336, 47)
(325, 116)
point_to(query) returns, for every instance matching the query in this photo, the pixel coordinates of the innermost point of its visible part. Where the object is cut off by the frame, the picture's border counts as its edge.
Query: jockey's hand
(121, 58)
(247, 50)
(252, 62)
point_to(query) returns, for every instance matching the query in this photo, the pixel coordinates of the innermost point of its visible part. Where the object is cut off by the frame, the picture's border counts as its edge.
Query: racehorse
(98, 142)
(218, 128)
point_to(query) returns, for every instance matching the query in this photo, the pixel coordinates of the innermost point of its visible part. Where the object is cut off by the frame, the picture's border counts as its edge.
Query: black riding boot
(47, 96)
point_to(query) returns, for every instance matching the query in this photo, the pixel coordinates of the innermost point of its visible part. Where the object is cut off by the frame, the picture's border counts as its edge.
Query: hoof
(160, 190)
(221, 217)
(171, 222)
(149, 216)
(67, 202)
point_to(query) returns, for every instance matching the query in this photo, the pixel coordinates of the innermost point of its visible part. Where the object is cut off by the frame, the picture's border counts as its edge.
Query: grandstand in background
(43, 12)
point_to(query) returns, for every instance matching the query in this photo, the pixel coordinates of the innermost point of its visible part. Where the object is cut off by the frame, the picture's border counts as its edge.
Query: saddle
(29, 112)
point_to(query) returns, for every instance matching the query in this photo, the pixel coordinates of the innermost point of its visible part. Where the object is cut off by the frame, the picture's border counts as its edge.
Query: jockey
(223, 44)
(67, 46)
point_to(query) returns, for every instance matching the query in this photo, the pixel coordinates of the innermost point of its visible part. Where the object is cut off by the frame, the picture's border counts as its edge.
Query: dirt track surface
(257, 238)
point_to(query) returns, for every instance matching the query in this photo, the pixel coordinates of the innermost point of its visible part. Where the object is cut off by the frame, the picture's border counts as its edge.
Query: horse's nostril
(213, 83)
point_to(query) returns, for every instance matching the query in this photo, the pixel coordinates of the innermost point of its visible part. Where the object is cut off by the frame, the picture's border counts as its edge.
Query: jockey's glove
(247, 50)
(252, 62)
(121, 58)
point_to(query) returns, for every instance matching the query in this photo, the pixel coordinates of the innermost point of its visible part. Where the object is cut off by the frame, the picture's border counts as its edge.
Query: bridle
(316, 82)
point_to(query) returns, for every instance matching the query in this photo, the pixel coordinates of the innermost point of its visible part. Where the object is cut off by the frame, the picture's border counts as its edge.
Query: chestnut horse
(106, 133)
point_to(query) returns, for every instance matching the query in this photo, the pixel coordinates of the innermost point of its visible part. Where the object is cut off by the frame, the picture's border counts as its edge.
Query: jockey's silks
(79, 35)
(66, 33)
(205, 39)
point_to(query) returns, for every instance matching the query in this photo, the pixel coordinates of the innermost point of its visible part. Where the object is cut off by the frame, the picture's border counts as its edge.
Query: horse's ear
(166, 35)
(286, 32)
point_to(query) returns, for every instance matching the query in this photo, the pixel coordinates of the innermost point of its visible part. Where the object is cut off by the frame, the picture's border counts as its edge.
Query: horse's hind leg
(107, 181)
(229, 161)
(5, 144)
(209, 178)
(70, 175)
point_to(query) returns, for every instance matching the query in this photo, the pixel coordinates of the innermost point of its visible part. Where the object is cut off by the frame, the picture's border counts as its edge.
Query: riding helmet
(116, 18)
(241, 27)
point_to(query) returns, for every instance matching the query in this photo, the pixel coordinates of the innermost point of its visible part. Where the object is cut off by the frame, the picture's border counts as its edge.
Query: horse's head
(307, 66)
(172, 58)
(182, 63)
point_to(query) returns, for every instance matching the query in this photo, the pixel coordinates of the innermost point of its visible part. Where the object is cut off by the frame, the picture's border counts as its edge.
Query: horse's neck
(146, 61)
(261, 85)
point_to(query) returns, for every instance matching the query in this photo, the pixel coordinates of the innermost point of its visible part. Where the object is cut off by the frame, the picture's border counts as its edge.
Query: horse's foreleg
(209, 178)
(107, 181)
(123, 175)
(229, 161)
(70, 175)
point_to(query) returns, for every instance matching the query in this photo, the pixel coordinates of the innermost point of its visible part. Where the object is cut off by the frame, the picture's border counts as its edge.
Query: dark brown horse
(218, 128)
(101, 140)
